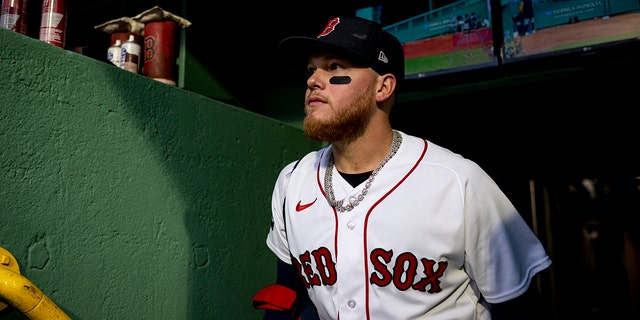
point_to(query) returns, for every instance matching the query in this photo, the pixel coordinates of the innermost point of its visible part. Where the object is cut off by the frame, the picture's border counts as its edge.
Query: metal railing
(19, 292)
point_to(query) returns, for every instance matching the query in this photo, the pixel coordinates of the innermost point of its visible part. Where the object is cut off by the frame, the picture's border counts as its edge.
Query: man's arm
(288, 283)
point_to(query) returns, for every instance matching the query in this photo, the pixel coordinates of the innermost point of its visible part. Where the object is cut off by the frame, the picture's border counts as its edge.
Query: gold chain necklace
(328, 178)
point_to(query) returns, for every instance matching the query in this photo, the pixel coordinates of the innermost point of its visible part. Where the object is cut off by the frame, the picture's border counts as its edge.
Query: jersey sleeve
(277, 236)
(502, 253)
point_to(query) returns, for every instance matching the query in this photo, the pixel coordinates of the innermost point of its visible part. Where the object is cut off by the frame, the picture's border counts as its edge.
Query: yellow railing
(22, 294)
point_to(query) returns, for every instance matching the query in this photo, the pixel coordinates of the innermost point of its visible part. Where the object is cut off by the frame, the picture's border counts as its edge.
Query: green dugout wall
(125, 198)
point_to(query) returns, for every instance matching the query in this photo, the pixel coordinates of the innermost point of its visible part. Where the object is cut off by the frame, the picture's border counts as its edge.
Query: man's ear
(386, 87)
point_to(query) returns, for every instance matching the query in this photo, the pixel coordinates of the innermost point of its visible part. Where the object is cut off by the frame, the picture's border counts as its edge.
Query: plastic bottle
(114, 53)
(130, 55)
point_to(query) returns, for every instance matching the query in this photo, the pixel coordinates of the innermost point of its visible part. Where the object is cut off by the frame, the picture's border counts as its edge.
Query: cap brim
(299, 48)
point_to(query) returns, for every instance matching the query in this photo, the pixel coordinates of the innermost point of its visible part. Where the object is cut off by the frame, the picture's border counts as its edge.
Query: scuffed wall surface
(125, 198)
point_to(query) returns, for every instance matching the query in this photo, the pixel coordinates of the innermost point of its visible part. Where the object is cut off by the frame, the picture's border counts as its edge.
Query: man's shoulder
(439, 156)
(307, 161)
(311, 159)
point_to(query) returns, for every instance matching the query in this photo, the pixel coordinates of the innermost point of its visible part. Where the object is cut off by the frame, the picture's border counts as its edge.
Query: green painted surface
(125, 198)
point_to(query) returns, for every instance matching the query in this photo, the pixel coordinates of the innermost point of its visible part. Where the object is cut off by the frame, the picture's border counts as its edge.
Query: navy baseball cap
(362, 40)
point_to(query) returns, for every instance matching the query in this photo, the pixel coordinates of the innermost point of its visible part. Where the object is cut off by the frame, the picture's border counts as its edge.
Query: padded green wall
(125, 198)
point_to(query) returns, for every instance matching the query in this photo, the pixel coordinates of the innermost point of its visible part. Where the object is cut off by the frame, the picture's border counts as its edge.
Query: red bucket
(160, 51)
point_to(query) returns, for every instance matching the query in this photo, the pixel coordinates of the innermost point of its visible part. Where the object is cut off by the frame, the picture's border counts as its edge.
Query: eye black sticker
(340, 80)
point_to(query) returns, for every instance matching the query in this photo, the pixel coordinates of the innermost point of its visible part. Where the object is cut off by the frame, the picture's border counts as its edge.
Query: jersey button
(351, 225)
(351, 304)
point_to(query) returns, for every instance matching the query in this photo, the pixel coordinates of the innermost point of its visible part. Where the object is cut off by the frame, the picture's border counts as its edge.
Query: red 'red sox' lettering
(402, 274)
(325, 273)
(405, 267)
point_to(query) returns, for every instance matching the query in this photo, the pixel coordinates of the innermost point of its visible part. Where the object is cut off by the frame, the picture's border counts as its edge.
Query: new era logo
(383, 58)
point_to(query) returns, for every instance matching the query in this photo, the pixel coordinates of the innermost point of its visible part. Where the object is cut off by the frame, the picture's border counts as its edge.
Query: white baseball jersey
(432, 238)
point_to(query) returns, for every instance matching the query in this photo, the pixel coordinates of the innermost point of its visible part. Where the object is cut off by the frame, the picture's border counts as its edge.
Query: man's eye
(310, 71)
(335, 66)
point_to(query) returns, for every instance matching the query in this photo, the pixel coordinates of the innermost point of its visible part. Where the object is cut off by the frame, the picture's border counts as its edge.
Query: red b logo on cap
(331, 25)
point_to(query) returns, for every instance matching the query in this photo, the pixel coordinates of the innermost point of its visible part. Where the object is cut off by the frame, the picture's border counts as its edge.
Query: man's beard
(346, 125)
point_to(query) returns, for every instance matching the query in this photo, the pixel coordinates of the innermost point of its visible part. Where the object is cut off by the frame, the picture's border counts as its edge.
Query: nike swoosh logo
(300, 206)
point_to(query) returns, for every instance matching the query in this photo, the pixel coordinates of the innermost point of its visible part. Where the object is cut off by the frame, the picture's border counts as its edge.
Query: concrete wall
(125, 198)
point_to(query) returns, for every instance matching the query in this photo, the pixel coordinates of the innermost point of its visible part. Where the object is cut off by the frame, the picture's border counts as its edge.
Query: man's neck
(363, 154)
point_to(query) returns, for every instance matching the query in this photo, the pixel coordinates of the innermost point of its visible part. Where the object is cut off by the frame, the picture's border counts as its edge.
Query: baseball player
(380, 224)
